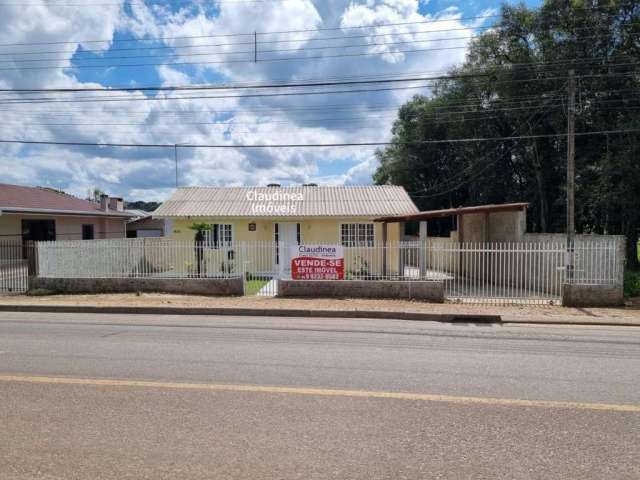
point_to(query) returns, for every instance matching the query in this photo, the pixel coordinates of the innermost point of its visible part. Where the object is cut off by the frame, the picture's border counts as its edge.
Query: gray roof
(137, 214)
(300, 201)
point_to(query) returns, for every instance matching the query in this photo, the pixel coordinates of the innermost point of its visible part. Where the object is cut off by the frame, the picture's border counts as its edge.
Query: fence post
(422, 245)
(620, 250)
(384, 249)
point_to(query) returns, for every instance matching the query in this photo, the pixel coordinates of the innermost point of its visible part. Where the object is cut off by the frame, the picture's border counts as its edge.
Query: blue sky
(182, 31)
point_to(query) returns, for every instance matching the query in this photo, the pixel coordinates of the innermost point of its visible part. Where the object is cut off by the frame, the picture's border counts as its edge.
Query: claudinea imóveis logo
(274, 203)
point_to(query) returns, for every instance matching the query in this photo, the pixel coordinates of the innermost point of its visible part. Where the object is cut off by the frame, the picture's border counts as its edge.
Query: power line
(462, 103)
(251, 34)
(14, 101)
(312, 145)
(262, 42)
(336, 80)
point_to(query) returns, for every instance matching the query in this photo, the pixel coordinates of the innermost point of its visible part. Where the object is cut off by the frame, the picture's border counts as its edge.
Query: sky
(113, 43)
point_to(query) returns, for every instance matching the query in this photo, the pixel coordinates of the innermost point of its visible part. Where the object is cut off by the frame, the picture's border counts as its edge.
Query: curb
(577, 323)
(255, 312)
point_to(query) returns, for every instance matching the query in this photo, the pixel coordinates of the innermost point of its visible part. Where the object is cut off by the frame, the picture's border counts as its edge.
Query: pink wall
(67, 227)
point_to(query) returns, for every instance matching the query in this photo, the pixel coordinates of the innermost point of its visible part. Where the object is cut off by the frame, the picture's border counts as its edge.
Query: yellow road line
(323, 392)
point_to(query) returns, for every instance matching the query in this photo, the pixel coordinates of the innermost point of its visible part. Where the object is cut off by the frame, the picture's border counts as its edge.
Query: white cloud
(149, 173)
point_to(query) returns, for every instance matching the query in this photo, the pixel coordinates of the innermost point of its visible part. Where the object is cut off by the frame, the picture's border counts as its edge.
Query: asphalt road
(117, 397)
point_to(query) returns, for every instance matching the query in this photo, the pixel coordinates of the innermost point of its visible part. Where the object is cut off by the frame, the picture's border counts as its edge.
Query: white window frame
(356, 238)
(227, 228)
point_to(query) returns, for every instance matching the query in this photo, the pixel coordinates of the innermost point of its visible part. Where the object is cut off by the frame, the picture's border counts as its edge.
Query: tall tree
(513, 84)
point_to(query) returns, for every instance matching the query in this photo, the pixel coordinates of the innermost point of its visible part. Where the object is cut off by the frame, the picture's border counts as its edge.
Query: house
(143, 225)
(285, 216)
(310, 214)
(37, 213)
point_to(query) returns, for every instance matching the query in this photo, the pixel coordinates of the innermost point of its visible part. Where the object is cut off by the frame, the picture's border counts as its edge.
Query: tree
(513, 84)
(94, 194)
(200, 229)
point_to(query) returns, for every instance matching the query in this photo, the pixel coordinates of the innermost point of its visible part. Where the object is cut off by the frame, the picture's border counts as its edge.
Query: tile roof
(299, 201)
(20, 198)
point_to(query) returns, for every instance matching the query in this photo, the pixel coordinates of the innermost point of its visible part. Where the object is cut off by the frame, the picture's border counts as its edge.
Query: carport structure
(483, 223)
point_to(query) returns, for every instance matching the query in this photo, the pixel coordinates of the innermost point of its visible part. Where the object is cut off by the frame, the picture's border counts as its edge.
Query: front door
(286, 236)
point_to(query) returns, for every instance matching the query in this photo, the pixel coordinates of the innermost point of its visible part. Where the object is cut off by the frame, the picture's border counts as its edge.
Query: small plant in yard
(631, 284)
(200, 229)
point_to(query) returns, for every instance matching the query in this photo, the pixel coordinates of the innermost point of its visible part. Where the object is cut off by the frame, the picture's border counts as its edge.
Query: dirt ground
(629, 314)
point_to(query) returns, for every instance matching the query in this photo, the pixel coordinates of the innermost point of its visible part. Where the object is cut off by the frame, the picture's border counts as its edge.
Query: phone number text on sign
(317, 262)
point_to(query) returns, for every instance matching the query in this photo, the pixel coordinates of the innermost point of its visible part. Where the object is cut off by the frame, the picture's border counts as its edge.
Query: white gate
(523, 273)
(502, 273)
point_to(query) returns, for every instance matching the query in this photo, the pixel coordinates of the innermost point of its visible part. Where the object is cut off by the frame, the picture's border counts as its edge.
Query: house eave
(54, 212)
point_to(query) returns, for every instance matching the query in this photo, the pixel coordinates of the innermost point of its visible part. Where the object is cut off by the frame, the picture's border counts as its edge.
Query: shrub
(631, 284)
(41, 292)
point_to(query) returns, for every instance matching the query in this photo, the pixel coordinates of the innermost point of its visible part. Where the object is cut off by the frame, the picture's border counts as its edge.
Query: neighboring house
(341, 215)
(36, 213)
(143, 225)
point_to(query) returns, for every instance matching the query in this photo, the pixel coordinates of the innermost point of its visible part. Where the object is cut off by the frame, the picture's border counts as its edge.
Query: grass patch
(631, 284)
(252, 287)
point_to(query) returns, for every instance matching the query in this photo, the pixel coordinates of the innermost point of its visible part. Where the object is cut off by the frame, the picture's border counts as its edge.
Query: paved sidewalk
(511, 314)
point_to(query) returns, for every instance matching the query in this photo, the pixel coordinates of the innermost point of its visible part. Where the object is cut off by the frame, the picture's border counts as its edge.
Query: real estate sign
(317, 262)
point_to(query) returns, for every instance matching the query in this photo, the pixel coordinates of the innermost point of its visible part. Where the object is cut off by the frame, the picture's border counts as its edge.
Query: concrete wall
(507, 226)
(422, 290)
(10, 227)
(574, 295)
(195, 286)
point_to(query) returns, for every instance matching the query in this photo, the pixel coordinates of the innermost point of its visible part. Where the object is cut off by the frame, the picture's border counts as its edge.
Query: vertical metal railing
(488, 272)
(14, 267)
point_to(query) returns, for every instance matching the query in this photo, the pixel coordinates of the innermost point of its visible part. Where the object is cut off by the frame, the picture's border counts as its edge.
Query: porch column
(422, 246)
(384, 249)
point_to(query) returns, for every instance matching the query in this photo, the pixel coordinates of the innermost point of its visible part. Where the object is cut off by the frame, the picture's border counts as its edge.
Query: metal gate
(262, 266)
(521, 273)
(15, 260)
(504, 273)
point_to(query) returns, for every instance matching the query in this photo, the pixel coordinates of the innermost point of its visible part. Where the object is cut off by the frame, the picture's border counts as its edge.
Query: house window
(38, 230)
(357, 234)
(220, 235)
(87, 232)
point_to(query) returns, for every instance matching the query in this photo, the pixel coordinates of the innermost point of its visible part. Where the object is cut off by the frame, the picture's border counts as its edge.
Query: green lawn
(252, 287)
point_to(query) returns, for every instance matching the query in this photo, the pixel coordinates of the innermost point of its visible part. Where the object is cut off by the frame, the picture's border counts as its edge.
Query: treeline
(514, 84)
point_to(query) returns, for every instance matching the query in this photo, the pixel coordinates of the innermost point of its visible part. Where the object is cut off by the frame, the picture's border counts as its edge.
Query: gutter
(80, 213)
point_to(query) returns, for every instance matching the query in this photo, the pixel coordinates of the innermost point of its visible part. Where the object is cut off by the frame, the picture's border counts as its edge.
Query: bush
(631, 284)
(41, 292)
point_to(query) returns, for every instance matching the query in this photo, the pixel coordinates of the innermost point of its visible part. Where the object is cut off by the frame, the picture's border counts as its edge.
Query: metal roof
(17, 198)
(450, 212)
(299, 201)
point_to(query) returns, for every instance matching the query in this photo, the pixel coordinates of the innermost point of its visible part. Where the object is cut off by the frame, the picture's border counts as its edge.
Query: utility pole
(255, 47)
(571, 174)
(175, 157)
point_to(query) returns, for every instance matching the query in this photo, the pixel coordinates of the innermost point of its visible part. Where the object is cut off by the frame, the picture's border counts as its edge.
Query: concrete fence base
(423, 290)
(576, 295)
(196, 286)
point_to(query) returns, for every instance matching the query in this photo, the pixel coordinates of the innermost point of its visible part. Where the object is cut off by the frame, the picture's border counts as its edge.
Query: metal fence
(471, 272)
(134, 258)
(16, 263)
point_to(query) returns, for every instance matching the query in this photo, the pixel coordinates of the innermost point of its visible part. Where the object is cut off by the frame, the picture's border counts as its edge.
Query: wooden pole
(571, 174)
